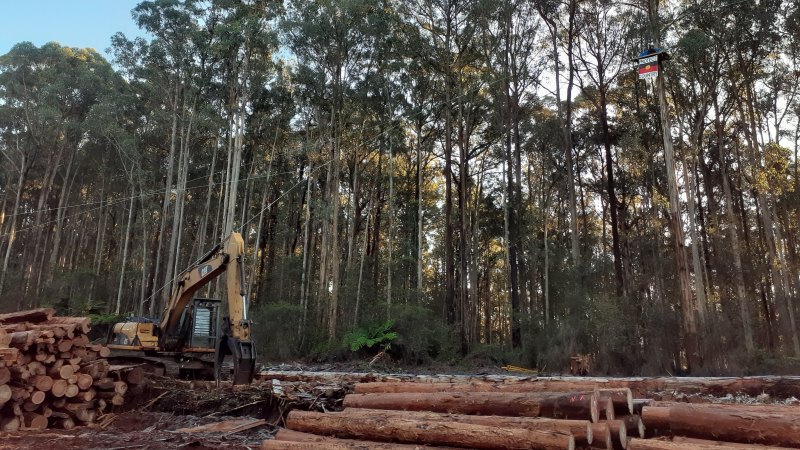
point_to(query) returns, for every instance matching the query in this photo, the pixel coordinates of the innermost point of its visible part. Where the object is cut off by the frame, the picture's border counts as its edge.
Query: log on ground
(658, 444)
(433, 433)
(557, 406)
(581, 430)
(285, 435)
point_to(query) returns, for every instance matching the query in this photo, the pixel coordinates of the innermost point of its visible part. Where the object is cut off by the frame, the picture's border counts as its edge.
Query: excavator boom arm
(225, 257)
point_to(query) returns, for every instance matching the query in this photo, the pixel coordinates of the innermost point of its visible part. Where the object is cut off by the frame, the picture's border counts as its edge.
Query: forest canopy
(459, 181)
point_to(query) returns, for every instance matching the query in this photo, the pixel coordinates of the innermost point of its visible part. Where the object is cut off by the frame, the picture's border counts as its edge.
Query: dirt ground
(137, 430)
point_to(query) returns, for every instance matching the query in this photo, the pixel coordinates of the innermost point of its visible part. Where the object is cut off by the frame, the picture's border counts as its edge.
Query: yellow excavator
(193, 330)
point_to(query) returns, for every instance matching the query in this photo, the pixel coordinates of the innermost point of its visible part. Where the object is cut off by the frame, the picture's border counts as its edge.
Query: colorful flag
(648, 67)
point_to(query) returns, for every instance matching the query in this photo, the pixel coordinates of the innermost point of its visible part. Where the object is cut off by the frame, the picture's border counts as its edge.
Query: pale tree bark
(12, 233)
(690, 335)
(306, 250)
(420, 218)
(60, 214)
(154, 305)
(262, 209)
(697, 266)
(741, 296)
(143, 290)
(390, 234)
(177, 216)
(100, 237)
(361, 264)
(203, 231)
(124, 262)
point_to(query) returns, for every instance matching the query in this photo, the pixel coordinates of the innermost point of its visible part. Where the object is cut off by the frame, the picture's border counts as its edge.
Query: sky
(72, 23)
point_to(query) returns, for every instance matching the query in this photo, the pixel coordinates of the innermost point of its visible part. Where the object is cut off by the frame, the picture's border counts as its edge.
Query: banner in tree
(648, 67)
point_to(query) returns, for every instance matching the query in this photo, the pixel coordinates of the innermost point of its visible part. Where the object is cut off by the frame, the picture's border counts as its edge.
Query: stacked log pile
(531, 415)
(52, 376)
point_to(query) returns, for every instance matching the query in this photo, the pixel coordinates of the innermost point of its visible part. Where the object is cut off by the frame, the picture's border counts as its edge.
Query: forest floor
(167, 414)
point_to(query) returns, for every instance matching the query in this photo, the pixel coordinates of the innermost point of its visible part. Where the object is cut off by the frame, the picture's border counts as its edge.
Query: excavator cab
(201, 320)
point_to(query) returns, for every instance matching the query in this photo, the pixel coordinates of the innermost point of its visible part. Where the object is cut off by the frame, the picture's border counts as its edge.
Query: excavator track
(184, 367)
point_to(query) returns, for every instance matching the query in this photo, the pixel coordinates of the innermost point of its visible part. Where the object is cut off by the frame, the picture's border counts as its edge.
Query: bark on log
(634, 426)
(602, 435)
(639, 403)
(334, 444)
(81, 324)
(606, 406)
(581, 430)
(577, 406)
(622, 399)
(434, 433)
(767, 426)
(775, 386)
(32, 315)
(285, 435)
(619, 433)
(718, 444)
(656, 417)
(657, 444)
(582, 406)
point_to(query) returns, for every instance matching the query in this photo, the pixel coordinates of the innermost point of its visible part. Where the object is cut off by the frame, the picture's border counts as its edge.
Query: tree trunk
(154, 305)
(691, 339)
(13, 227)
(125, 251)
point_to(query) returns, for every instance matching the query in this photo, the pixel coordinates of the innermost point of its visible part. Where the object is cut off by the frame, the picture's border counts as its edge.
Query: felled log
(559, 406)
(619, 433)
(775, 386)
(634, 426)
(133, 374)
(606, 408)
(32, 315)
(34, 421)
(767, 425)
(602, 435)
(81, 324)
(334, 444)
(622, 398)
(433, 433)
(581, 430)
(658, 444)
(291, 437)
(5, 394)
(9, 423)
(717, 444)
(656, 417)
(9, 355)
